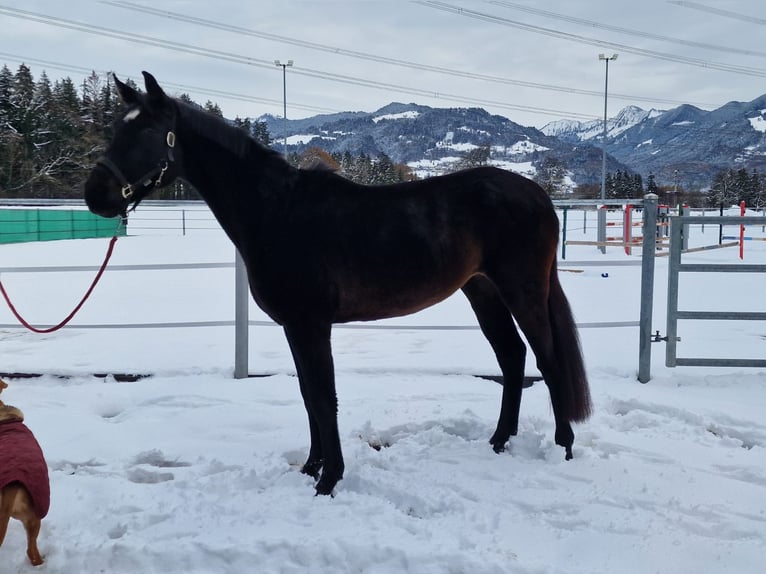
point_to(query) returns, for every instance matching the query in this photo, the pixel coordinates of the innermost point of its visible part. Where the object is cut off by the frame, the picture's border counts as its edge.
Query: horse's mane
(226, 135)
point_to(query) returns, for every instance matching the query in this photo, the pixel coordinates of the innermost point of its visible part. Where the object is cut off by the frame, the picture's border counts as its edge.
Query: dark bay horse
(320, 249)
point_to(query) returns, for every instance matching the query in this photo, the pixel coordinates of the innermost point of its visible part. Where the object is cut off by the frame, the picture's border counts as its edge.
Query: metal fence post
(241, 317)
(648, 253)
(601, 231)
(564, 235)
(674, 264)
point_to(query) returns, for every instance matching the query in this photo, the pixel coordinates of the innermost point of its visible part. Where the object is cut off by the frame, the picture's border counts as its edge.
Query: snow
(625, 119)
(759, 123)
(410, 115)
(683, 123)
(520, 147)
(193, 471)
(301, 139)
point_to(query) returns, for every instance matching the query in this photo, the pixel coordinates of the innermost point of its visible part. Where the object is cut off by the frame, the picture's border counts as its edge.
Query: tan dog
(24, 486)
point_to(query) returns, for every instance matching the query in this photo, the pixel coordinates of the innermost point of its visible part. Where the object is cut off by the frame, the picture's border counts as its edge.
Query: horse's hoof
(498, 443)
(569, 455)
(325, 487)
(312, 469)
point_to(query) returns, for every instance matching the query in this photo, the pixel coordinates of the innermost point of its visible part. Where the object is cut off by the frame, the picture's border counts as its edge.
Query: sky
(529, 61)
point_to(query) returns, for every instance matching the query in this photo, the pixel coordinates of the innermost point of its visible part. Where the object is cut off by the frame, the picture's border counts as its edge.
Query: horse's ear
(128, 95)
(153, 89)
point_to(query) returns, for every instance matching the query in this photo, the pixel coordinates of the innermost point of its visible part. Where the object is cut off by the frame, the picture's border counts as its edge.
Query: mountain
(685, 143)
(433, 140)
(570, 130)
(696, 143)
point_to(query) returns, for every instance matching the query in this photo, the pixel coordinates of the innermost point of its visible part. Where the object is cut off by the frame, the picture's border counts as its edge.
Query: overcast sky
(532, 67)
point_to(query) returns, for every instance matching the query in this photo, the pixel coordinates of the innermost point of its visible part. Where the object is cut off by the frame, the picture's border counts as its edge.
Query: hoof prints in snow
(156, 459)
(634, 415)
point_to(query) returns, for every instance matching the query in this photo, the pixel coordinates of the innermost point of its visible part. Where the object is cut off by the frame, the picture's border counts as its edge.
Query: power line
(639, 33)
(744, 70)
(181, 87)
(257, 62)
(377, 58)
(720, 12)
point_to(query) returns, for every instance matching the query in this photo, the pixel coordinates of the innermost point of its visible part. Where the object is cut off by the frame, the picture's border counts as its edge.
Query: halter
(128, 189)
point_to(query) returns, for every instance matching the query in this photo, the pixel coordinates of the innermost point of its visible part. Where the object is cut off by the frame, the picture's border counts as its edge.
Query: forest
(51, 133)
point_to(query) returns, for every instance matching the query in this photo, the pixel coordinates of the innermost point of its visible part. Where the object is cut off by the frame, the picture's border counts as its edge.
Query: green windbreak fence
(19, 225)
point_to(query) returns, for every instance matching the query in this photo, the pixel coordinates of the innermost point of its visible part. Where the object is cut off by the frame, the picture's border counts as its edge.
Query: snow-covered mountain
(434, 140)
(684, 142)
(570, 130)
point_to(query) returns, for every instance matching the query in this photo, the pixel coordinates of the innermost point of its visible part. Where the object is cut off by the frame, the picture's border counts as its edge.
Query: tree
(651, 184)
(723, 191)
(315, 157)
(260, 132)
(551, 175)
(213, 108)
(475, 157)
(50, 134)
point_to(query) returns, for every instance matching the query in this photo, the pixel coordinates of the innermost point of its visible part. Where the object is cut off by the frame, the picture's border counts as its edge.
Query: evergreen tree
(757, 197)
(7, 135)
(651, 184)
(260, 132)
(6, 89)
(551, 175)
(213, 108)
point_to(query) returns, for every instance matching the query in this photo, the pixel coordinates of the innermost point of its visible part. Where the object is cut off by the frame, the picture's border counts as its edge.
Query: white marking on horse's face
(131, 115)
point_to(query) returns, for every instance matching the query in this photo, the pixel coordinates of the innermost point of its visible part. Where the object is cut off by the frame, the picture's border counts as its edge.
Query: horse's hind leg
(528, 303)
(311, 349)
(498, 327)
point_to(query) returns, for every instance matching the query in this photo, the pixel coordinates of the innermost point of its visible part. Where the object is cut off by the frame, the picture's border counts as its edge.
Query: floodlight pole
(602, 212)
(284, 67)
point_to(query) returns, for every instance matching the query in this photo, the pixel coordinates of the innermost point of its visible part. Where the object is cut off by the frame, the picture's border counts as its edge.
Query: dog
(24, 484)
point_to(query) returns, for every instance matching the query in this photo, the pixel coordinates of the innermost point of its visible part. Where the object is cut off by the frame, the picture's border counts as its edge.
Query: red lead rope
(76, 309)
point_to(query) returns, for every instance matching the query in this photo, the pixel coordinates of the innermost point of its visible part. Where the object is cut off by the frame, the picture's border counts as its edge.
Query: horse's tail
(573, 385)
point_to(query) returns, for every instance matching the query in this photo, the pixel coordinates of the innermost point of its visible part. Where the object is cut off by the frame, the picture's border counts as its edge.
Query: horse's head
(142, 154)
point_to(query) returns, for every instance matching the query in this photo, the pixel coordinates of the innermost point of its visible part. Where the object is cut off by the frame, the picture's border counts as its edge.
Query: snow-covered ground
(190, 470)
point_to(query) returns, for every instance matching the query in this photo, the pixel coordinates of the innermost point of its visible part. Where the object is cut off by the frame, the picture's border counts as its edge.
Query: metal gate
(675, 267)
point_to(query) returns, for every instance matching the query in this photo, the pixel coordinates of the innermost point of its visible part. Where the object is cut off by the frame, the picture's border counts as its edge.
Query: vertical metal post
(684, 230)
(564, 235)
(674, 263)
(241, 317)
(649, 250)
(601, 228)
(601, 233)
(284, 96)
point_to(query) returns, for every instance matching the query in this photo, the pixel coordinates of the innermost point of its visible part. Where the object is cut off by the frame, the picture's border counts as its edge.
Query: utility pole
(602, 212)
(284, 67)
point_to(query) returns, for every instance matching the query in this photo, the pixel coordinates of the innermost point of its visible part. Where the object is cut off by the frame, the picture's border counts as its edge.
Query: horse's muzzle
(102, 194)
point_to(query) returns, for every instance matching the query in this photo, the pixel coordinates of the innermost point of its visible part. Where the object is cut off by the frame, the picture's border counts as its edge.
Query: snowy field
(192, 471)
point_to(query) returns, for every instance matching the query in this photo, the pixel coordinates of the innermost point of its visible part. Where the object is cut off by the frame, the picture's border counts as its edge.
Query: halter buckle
(163, 169)
(127, 191)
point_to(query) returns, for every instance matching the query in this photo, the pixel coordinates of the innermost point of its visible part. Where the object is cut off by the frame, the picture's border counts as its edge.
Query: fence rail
(241, 321)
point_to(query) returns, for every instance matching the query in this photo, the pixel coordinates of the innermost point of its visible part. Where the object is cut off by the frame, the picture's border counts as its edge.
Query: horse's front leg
(314, 462)
(310, 346)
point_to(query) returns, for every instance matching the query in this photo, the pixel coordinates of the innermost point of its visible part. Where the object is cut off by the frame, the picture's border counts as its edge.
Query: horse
(321, 250)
